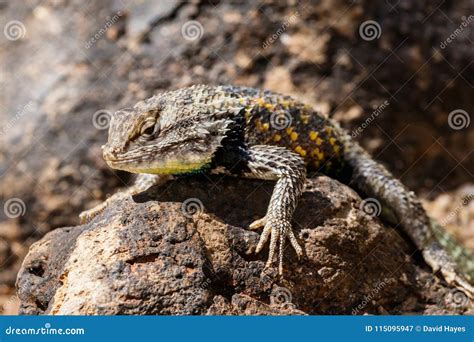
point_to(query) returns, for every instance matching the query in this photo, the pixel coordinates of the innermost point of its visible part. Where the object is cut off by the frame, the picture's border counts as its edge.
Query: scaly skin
(252, 133)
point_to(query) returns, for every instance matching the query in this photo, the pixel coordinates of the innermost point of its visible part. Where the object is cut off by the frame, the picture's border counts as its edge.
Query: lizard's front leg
(142, 183)
(289, 170)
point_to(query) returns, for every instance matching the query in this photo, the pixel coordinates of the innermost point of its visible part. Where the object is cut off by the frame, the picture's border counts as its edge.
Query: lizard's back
(274, 119)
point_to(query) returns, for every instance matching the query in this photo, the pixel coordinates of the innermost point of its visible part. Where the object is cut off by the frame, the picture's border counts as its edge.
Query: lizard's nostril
(108, 153)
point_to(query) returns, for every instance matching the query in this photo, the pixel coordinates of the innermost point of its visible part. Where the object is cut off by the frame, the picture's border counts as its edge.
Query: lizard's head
(163, 135)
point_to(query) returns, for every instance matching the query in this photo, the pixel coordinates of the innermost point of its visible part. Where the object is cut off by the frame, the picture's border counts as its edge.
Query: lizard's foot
(143, 182)
(278, 230)
(88, 215)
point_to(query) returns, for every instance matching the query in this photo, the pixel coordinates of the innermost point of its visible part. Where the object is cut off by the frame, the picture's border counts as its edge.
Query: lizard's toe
(275, 234)
(267, 230)
(278, 232)
(295, 244)
(258, 223)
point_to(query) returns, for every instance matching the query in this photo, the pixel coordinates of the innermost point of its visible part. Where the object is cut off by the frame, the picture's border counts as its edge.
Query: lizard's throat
(161, 167)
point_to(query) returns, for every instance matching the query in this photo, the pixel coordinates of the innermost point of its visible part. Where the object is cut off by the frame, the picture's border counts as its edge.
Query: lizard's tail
(374, 180)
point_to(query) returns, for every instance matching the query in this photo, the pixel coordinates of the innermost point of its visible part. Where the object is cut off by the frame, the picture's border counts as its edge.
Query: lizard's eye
(149, 128)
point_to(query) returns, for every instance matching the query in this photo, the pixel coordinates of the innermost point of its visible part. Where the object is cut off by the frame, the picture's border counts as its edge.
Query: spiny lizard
(260, 134)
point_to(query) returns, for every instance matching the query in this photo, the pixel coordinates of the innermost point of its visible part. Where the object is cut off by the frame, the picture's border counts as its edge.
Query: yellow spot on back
(332, 141)
(316, 153)
(289, 130)
(314, 137)
(262, 103)
(294, 136)
(300, 151)
(277, 137)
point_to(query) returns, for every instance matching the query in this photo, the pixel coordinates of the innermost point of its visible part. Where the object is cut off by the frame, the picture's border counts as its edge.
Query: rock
(182, 248)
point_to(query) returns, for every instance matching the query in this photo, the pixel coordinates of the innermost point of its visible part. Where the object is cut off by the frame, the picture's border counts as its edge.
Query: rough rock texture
(78, 57)
(182, 249)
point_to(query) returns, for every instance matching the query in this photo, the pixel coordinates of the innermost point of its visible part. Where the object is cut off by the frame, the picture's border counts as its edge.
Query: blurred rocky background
(397, 73)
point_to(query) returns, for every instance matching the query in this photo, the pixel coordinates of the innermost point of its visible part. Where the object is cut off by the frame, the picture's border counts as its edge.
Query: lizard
(254, 133)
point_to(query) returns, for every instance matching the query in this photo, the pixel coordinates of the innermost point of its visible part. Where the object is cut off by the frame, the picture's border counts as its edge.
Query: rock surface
(182, 249)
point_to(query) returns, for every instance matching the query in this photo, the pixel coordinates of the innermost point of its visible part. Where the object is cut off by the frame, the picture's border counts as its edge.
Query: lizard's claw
(277, 230)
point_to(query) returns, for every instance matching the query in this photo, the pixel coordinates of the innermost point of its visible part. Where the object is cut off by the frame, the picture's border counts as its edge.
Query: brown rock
(183, 249)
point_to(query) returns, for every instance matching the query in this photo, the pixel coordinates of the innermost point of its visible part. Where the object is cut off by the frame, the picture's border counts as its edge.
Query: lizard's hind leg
(142, 183)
